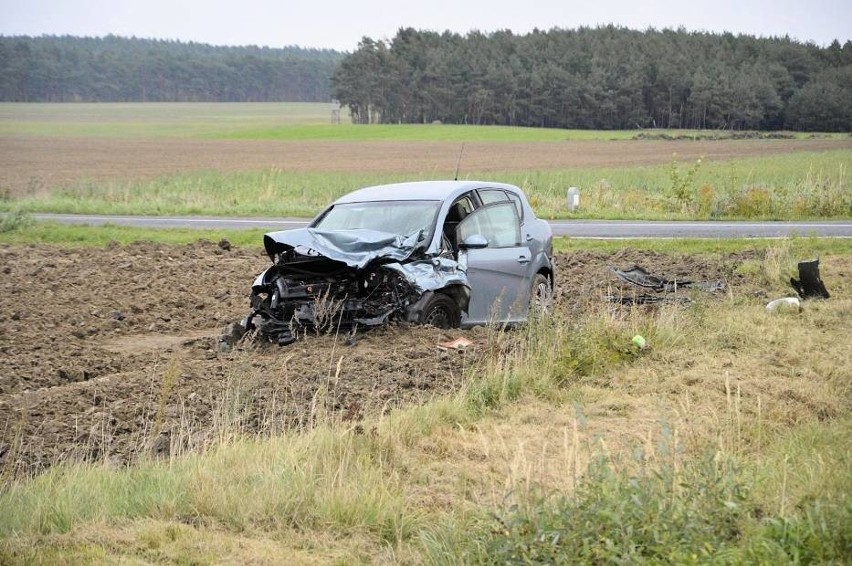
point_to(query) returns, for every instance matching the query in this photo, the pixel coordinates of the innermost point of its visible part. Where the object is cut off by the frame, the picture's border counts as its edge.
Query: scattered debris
(641, 278)
(225, 245)
(647, 299)
(784, 304)
(809, 285)
(460, 343)
(639, 341)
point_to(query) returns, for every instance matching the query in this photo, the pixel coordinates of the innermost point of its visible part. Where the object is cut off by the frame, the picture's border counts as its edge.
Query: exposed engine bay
(332, 281)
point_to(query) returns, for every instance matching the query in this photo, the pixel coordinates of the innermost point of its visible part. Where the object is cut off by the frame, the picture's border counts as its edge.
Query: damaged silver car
(445, 253)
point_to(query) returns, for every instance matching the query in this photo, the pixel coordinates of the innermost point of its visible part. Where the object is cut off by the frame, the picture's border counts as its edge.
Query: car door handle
(529, 237)
(523, 260)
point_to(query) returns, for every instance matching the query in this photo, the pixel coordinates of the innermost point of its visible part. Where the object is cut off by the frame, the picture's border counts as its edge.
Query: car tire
(441, 311)
(541, 296)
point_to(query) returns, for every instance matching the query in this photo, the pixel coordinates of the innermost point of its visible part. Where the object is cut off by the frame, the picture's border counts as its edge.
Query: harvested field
(112, 351)
(29, 164)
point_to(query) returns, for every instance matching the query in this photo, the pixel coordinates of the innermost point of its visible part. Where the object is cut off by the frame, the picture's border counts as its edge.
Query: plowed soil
(109, 352)
(30, 164)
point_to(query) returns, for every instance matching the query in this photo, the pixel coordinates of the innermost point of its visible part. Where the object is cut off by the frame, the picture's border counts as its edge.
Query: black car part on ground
(641, 278)
(647, 300)
(809, 285)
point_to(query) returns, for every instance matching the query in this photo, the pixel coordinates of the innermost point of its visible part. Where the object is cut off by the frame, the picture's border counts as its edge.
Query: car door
(497, 264)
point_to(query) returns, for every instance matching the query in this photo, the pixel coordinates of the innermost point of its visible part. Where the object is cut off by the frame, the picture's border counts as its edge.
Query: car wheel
(441, 311)
(541, 298)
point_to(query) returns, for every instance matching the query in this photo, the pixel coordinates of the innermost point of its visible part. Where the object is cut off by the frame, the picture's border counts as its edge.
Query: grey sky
(340, 24)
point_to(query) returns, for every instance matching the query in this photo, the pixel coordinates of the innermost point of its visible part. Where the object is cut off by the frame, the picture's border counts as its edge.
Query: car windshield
(401, 217)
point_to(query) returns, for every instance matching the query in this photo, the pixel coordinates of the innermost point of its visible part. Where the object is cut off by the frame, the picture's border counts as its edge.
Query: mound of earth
(109, 352)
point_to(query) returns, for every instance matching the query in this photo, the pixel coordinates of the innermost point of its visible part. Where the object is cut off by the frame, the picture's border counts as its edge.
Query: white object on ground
(787, 303)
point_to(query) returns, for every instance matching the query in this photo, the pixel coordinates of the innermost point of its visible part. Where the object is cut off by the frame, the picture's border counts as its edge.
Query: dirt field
(42, 164)
(108, 352)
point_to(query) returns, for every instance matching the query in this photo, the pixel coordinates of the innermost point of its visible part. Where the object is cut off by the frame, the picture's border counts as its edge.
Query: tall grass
(25, 230)
(696, 511)
(781, 187)
(17, 220)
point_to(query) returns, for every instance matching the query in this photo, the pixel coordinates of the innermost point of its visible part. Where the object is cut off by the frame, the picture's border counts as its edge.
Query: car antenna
(458, 165)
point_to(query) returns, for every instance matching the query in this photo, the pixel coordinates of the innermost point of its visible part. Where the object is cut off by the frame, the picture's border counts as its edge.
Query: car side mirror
(474, 242)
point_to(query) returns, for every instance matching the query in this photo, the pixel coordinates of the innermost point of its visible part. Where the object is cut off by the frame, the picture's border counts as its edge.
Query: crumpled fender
(431, 274)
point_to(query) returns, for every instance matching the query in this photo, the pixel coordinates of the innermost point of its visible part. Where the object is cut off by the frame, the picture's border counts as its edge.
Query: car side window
(497, 222)
(487, 196)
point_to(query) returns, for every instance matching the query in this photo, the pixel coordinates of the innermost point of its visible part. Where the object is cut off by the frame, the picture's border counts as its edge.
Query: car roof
(419, 190)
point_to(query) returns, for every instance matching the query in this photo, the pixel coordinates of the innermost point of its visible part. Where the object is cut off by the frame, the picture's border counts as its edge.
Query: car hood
(355, 248)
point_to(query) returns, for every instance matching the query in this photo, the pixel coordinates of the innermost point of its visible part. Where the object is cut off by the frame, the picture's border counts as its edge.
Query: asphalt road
(602, 229)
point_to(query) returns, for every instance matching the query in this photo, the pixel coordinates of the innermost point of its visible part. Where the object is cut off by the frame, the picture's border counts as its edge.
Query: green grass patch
(15, 221)
(427, 133)
(72, 235)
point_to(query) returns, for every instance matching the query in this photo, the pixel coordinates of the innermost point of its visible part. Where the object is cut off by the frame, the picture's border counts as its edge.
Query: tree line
(116, 69)
(599, 78)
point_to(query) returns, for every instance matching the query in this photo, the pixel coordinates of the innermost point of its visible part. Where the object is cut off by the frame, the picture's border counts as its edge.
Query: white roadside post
(573, 199)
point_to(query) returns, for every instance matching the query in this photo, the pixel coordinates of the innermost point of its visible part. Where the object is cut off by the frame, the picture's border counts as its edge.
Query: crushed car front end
(341, 280)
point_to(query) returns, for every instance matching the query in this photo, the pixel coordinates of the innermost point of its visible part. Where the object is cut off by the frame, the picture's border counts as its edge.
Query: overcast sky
(339, 24)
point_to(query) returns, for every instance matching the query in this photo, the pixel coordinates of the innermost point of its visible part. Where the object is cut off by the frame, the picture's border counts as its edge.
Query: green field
(282, 121)
(153, 120)
(260, 121)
